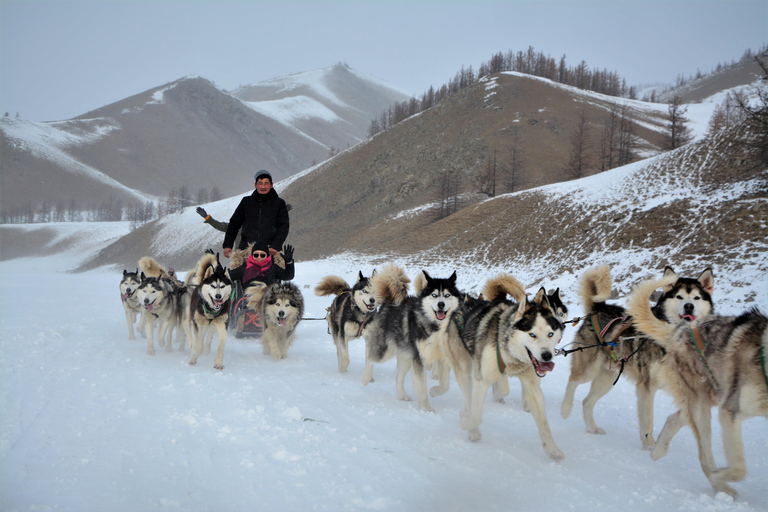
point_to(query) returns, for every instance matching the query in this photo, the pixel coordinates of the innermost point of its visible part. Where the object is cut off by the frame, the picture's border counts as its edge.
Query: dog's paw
(555, 453)
(219, 366)
(501, 400)
(474, 435)
(151, 352)
(596, 430)
(426, 408)
(437, 391)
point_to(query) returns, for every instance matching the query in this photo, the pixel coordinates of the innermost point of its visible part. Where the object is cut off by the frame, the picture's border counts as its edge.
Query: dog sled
(245, 322)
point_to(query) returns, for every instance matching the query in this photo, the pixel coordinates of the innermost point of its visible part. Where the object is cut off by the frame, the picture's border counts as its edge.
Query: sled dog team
(199, 307)
(679, 345)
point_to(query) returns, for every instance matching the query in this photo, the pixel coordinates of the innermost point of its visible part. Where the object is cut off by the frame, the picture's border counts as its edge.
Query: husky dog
(280, 306)
(500, 338)
(712, 361)
(151, 268)
(403, 324)
(209, 303)
(160, 299)
(128, 286)
(638, 357)
(351, 308)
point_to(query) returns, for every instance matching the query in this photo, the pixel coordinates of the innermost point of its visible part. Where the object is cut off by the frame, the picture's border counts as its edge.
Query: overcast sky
(62, 58)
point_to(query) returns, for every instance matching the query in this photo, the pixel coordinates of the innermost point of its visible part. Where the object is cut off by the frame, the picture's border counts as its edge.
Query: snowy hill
(186, 133)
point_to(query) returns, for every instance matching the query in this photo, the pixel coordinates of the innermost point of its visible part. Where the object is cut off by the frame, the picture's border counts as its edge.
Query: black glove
(288, 206)
(288, 253)
(201, 212)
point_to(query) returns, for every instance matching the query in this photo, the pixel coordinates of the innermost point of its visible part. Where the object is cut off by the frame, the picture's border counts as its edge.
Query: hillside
(185, 133)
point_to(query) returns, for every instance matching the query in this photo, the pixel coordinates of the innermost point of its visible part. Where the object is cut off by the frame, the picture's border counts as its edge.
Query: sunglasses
(259, 255)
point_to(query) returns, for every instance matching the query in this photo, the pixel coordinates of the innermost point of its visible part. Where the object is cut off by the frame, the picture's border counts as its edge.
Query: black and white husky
(498, 338)
(129, 284)
(403, 324)
(162, 308)
(209, 300)
(351, 308)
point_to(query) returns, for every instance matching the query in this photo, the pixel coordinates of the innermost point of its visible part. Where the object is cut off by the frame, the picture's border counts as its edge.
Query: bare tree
(580, 159)
(626, 137)
(202, 196)
(513, 170)
(678, 131)
(448, 194)
(756, 118)
(216, 194)
(486, 178)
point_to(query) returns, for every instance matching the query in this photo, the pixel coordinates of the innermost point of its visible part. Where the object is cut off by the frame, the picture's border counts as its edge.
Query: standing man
(263, 217)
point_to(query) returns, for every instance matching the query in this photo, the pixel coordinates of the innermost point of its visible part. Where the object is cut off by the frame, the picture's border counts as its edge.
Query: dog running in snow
(129, 284)
(498, 338)
(209, 300)
(281, 307)
(639, 358)
(351, 308)
(714, 360)
(403, 323)
(160, 295)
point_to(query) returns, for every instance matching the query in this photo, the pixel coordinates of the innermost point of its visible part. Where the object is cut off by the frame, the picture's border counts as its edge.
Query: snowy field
(90, 422)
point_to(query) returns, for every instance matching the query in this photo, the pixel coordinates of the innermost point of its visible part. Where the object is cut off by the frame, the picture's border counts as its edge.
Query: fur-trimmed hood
(240, 256)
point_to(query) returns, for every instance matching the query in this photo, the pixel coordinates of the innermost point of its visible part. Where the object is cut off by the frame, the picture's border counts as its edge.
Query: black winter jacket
(263, 218)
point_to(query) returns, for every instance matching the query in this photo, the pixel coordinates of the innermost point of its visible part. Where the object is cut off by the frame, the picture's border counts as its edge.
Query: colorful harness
(608, 346)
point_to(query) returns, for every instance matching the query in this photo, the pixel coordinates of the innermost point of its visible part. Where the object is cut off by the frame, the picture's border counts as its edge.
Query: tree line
(529, 62)
(110, 209)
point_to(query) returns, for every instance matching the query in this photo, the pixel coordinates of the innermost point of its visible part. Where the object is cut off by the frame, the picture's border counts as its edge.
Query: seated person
(260, 266)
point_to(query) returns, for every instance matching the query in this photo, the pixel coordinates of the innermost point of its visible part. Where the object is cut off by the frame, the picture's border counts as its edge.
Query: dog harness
(608, 346)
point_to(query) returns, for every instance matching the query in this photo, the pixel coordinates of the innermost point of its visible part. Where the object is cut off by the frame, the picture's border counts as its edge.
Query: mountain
(188, 133)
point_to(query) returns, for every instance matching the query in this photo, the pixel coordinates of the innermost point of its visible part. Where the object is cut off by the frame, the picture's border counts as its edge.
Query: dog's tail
(420, 282)
(152, 268)
(255, 293)
(332, 285)
(639, 307)
(205, 266)
(595, 287)
(390, 285)
(502, 285)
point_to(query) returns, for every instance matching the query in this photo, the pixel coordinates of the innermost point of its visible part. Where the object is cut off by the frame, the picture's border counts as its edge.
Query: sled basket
(247, 322)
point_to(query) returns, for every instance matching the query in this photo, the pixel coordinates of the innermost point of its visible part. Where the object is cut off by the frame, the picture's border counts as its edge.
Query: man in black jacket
(263, 217)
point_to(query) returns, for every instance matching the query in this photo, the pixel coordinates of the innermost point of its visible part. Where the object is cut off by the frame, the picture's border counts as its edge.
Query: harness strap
(701, 347)
(362, 325)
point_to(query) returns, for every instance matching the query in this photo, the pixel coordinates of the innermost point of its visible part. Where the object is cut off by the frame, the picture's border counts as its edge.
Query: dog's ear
(541, 298)
(521, 308)
(452, 279)
(143, 277)
(426, 276)
(124, 272)
(707, 280)
(360, 276)
(668, 272)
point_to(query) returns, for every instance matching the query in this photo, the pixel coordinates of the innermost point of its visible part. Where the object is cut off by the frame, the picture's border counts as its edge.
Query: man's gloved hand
(201, 212)
(288, 253)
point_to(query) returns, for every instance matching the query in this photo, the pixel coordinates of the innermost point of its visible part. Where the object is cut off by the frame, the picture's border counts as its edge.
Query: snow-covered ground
(90, 422)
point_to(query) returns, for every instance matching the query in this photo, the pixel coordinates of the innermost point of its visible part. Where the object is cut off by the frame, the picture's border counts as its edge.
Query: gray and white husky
(712, 361)
(351, 308)
(281, 307)
(403, 324)
(209, 300)
(610, 342)
(497, 338)
(160, 299)
(129, 284)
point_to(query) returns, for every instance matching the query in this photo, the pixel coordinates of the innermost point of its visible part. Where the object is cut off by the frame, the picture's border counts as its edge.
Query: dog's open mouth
(282, 321)
(370, 307)
(217, 303)
(688, 318)
(540, 368)
(149, 306)
(440, 314)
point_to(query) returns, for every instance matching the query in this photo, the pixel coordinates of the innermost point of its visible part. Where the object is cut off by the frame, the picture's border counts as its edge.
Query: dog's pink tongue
(282, 321)
(149, 307)
(440, 315)
(690, 318)
(546, 367)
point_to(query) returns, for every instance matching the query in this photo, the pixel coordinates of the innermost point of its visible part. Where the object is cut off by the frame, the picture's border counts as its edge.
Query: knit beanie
(262, 174)
(260, 246)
